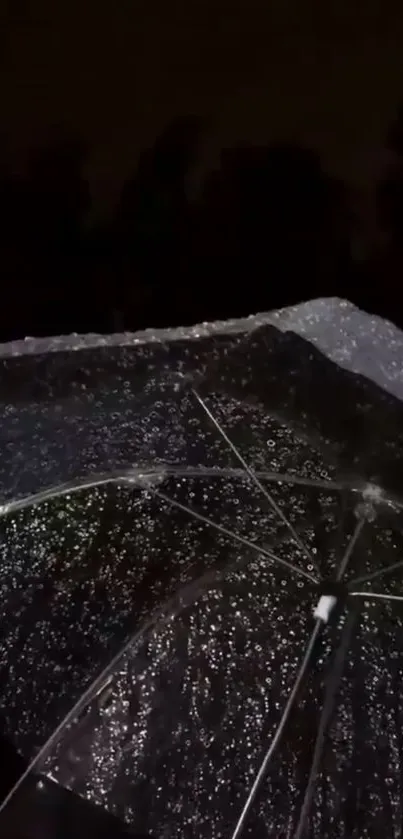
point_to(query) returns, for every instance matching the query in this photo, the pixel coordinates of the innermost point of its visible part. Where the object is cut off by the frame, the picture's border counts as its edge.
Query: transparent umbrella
(201, 555)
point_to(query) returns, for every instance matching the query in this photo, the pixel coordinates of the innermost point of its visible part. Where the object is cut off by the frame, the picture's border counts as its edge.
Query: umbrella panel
(174, 739)
(67, 415)
(177, 737)
(81, 571)
(95, 592)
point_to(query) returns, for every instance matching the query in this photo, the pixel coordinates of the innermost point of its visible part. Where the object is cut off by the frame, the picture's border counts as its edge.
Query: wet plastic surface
(207, 626)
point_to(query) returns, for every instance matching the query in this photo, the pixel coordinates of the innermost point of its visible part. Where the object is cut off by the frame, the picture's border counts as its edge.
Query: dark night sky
(329, 74)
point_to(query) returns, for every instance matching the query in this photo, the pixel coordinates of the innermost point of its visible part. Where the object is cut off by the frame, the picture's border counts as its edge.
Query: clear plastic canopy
(171, 505)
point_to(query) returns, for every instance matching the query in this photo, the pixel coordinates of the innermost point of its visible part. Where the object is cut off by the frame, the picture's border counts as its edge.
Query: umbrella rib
(253, 477)
(294, 692)
(132, 475)
(307, 659)
(331, 690)
(272, 477)
(374, 595)
(377, 575)
(349, 550)
(332, 687)
(129, 476)
(76, 485)
(94, 688)
(242, 540)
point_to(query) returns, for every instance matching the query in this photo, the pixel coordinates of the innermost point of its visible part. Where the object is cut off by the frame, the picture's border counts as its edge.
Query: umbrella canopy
(171, 505)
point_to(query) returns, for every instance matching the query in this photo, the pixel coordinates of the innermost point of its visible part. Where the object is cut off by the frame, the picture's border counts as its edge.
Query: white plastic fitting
(324, 607)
